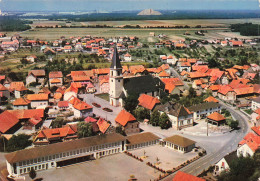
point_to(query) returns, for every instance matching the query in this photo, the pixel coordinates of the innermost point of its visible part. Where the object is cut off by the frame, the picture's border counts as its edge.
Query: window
(118, 80)
(49, 157)
(24, 170)
(40, 167)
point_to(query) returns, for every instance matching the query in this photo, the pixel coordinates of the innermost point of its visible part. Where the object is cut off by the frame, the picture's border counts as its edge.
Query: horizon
(126, 5)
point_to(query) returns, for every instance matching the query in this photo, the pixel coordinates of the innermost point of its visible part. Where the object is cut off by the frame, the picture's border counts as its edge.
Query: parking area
(168, 158)
(115, 167)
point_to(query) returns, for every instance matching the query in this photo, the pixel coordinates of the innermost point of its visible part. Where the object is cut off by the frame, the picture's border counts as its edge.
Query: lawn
(104, 96)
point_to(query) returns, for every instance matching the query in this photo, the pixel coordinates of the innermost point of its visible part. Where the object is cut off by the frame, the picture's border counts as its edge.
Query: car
(96, 105)
(107, 109)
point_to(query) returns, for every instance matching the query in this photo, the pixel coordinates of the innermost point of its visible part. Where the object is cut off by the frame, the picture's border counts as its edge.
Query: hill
(148, 12)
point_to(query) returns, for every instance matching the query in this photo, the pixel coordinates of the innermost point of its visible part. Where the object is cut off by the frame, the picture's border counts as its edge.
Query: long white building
(64, 153)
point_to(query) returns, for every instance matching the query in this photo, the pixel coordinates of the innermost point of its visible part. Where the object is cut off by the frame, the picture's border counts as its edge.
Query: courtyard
(115, 167)
(163, 157)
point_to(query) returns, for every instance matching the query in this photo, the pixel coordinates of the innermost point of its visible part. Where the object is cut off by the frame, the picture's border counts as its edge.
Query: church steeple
(115, 60)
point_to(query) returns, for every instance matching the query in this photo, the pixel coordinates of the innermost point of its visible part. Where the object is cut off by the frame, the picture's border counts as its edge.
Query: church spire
(115, 60)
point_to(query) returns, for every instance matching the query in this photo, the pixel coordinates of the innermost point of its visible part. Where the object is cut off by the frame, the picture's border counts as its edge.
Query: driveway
(110, 116)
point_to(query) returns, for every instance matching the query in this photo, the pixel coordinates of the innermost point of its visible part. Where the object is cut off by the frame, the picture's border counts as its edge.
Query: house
(90, 88)
(104, 85)
(179, 143)
(103, 125)
(37, 76)
(55, 78)
(148, 102)
(182, 176)
(80, 108)
(249, 145)
(31, 58)
(180, 116)
(255, 116)
(164, 74)
(4, 92)
(216, 118)
(201, 111)
(141, 140)
(58, 154)
(255, 103)
(234, 43)
(9, 123)
(173, 85)
(49, 136)
(128, 122)
(127, 57)
(211, 99)
(226, 93)
(38, 100)
(18, 89)
(184, 66)
(224, 43)
(31, 119)
(21, 103)
(171, 60)
(63, 105)
(224, 164)
(70, 93)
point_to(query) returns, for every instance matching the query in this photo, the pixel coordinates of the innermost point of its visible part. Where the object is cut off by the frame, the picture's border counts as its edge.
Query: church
(121, 87)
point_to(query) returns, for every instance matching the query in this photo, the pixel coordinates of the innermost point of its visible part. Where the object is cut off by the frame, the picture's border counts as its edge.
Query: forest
(246, 29)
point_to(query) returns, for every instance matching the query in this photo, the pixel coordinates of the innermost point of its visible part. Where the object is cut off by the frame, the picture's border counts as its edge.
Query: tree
(141, 113)
(120, 130)
(18, 142)
(130, 102)
(164, 121)
(58, 122)
(84, 129)
(155, 118)
(233, 124)
(32, 173)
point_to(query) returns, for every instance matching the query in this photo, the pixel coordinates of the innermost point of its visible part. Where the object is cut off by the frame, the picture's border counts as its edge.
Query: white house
(203, 110)
(127, 57)
(38, 100)
(255, 103)
(224, 163)
(179, 143)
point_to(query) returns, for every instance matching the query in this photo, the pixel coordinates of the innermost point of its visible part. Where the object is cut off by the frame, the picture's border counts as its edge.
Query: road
(211, 158)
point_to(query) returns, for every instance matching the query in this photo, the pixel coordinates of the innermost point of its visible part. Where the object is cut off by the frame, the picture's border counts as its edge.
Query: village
(153, 105)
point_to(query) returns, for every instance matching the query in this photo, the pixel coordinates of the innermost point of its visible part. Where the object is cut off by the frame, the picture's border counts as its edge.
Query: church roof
(115, 60)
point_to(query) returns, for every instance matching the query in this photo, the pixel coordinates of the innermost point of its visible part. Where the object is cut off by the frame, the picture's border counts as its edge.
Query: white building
(179, 143)
(224, 163)
(201, 111)
(64, 153)
(255, 103)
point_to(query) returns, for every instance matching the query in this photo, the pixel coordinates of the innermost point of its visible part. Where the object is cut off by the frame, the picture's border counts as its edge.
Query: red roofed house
(8, 122)
(38, 100)
(104, 85)
(80, 108)
(249, 145)
(18, 89)
(70, 93)
(48, 136)
(148, 102)
(55, 78)
(103, 125)
(128, 122)
(30, 118)
(182, 176)
(63, 105)
(37, 76)
(226, 93)
(216, 118)
(234, 43)
(185, 66)
(21, 103)
(211, 99)
(127, 57)
(4, 92)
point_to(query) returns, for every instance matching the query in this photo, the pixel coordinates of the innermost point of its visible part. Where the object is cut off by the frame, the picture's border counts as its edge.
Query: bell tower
(115, 80)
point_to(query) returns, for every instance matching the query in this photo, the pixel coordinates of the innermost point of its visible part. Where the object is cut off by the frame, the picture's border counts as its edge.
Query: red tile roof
(37, 73)
(7, 121)
(80, 105)
(3, 88)
(256, 129)
(147, 101)
(37, 97)
(21, 101)
(57, 74)
(57, 95)
(90, 120)
(252, 140)
(56, 132)
(182, 176)
(53, 81)
(216, 116)
(214, 87)
(103, 125)
(63, 104)
(244, 91)
(211, 99)
(71, 89)
(27, 113)
(18, 86)
(124, 117)
(197, 75)
(224, 89)
(164, 74)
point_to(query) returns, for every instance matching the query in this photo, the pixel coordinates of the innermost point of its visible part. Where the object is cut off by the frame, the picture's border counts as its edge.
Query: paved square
(168, 158)
(115, 167)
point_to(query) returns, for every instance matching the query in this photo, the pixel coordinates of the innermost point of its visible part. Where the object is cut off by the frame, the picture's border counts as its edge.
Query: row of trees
(17, 142)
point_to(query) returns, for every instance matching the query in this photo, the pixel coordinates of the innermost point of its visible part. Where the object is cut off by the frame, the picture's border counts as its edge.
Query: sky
(118, 5)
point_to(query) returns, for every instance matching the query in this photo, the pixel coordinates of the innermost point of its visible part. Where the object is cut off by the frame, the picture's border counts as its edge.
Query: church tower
(115, 80)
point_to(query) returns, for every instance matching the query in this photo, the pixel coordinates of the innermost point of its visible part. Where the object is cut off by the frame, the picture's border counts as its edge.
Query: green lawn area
(104, 96)
(248, 111)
